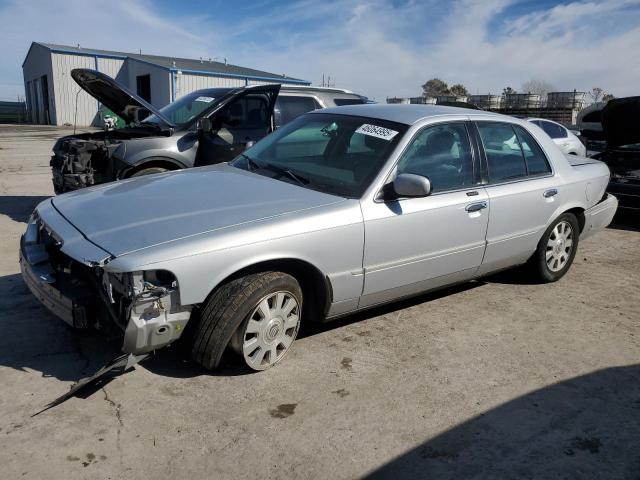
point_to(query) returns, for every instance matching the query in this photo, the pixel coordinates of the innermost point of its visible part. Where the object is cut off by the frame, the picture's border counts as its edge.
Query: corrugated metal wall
(36, 65)
(115, 68)
(160, 81)
(65, 90)
(189, 82)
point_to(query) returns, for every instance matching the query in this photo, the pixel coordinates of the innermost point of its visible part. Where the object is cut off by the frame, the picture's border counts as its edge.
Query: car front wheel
(258, 316)
(557, 248)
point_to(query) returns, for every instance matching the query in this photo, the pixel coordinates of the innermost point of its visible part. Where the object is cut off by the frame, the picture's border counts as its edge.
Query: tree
(607, 96)
(459, 90)
(538, 87)
(434, 88)
(508, 91)
(596, 94)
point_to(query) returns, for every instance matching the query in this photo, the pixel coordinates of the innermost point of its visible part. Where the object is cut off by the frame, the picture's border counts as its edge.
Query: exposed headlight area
(145, 305)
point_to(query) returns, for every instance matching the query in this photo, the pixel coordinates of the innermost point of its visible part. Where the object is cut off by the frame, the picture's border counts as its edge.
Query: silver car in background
(338, 211)
(564, 138)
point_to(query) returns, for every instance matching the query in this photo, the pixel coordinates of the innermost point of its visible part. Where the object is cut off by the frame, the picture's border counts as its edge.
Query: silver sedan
(339, 211)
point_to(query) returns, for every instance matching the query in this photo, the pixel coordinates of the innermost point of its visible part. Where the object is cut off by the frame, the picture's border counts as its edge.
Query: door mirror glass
(411, 185)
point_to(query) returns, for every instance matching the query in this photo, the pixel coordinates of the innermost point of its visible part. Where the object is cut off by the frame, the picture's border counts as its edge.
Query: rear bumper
(599, 216)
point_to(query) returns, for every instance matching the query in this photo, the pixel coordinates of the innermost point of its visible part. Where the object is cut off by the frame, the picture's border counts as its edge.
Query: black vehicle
(201, 128)
(621, 127)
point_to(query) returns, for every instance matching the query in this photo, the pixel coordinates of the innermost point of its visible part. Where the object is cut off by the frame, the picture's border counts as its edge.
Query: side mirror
(411, 185)
(204, 124)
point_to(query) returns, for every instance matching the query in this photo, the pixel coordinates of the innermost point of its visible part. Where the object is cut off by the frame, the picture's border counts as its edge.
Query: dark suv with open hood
(620, 125)
(203, 127)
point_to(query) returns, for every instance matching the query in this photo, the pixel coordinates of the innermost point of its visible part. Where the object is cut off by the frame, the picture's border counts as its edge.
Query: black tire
(227, 309)
(149, 171)
(538, 262)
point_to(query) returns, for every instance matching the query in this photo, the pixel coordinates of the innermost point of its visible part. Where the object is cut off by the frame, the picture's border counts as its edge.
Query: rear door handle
(550, 193)
(475, 207)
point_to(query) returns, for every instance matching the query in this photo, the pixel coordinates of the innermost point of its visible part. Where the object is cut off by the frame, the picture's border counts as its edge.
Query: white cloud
(377, 47)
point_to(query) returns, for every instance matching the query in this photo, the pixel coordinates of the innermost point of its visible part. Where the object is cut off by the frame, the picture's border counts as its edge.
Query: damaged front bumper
(144, 305)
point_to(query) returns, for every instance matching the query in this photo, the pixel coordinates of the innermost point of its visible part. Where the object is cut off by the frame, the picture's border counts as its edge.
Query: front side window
(442, 153)
(534, 157)
(553, 130)
(247, 112)
(336, 154)
(289, 107)
(502, 149)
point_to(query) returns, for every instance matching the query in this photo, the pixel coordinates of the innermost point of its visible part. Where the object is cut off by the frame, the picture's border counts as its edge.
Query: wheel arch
(316, 286)
(579, 213)
(150, 162)
(574, 208)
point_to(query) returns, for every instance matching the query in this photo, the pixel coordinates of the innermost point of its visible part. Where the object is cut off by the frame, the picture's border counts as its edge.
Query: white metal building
(52, 95)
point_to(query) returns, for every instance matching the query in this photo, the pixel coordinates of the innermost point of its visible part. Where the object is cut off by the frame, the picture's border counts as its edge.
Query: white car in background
(561, 136)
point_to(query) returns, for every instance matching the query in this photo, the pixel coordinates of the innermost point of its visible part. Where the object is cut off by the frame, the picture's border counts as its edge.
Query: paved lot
(498, 378)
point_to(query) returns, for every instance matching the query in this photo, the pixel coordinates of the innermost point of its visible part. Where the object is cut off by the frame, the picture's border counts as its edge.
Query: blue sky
(376, 47)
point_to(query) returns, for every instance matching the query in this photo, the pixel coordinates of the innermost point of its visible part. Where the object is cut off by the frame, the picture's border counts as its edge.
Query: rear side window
(348, 101)
(553, 130)
(535, 158)
(441, 153)
(504, 156)
(287, 108)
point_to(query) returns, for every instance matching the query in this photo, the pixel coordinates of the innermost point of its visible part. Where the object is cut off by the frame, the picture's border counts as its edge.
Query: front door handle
(475, 207)
(550, 193)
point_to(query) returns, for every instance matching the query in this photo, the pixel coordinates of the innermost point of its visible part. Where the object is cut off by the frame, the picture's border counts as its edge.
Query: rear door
(246, 117)
(523, 192)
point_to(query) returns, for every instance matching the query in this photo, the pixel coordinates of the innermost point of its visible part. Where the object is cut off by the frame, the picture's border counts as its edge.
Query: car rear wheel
(557, 248)
(258, 316)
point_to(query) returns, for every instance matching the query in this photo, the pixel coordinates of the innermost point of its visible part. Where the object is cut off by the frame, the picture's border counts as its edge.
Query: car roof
(544, 120)
(408, 114)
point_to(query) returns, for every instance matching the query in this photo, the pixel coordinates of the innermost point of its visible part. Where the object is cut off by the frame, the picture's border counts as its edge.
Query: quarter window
(535, 158)
(288, 107)
(553, 130)
(504, 156)
(441, 153)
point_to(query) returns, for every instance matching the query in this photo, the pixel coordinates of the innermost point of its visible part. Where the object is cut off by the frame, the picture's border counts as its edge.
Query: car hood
(134, 214)
(621, 121)
(114, 96)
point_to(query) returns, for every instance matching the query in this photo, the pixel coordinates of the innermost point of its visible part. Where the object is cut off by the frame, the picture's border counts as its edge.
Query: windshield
(336, 154)
(186, 108)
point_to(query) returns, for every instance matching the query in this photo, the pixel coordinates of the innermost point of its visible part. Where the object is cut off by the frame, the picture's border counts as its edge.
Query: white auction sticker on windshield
(375, 131)
(205, 99)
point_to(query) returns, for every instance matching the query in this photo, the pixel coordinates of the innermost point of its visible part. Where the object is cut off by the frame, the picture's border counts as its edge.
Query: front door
(415, 244)
(245, 118)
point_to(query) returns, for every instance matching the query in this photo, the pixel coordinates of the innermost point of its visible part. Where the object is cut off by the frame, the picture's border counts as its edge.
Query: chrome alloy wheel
(559, 246)
(271, 328)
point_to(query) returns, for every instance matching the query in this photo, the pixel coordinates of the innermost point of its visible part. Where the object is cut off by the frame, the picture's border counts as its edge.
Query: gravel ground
(498, 378)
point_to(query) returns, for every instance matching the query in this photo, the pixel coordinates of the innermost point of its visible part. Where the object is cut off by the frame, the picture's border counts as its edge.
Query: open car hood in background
(621, 121)
(114, 96)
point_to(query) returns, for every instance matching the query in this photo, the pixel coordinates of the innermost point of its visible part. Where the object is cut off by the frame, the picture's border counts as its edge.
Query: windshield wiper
(285, 171)
(251, 163)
